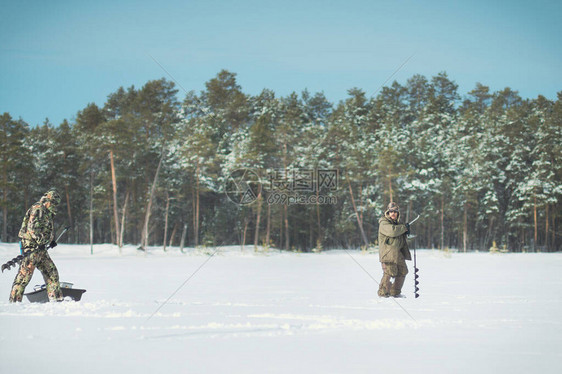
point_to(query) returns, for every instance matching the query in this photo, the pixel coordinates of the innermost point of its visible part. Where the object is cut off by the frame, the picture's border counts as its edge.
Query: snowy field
(246, 312)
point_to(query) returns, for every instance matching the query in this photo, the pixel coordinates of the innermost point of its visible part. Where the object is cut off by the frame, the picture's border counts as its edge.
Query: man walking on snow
(393, 251)
(37, 231)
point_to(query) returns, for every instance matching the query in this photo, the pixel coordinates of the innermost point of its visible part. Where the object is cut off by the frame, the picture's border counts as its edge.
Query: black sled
(39, 294)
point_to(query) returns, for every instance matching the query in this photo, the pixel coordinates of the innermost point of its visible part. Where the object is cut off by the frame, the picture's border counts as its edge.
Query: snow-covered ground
(246, 312)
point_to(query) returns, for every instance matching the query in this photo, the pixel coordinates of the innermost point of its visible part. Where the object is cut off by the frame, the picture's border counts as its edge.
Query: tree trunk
(193, 218)
(390, 184)
(535, 221)
(553, 239)
(408, 212)
(5, 206)
(166, 220)
(92, 213)
(183, 233)
(361, 202)
(115, 215)
(359, 220)
(281, 236)
(173, 235)
(123, 219)
(523, 237)
(311, 232)
(286, 220)
(465, 227)
(285, 206)
(68, 210)
(5, 216)
(144, 240)
(320, 233)
(268, 230)
(546, 229)
(442, 222)
(490, 230)
(246, 223)
(521, 234)
(258, 218)
(196, 212)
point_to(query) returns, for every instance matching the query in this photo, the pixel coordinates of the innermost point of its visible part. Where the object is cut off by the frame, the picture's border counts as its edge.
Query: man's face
(393, 214)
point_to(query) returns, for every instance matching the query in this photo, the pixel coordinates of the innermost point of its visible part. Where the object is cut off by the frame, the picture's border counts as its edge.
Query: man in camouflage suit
(393, 251)
(36, 233)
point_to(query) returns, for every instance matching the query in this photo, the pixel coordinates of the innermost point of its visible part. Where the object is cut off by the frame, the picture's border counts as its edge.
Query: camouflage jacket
(392, 241)
(37, 227)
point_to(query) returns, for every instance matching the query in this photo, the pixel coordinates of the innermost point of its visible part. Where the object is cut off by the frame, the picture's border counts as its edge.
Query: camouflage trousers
(391, 270)
(41, 260)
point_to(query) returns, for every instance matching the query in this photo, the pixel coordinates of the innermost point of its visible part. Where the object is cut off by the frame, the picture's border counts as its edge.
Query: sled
(39, 294)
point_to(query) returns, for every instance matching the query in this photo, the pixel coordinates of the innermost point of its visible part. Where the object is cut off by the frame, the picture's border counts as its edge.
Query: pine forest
(157, 166)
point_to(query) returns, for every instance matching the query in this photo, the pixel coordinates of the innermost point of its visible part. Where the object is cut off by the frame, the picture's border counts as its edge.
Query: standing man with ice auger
(36, 233)
(393, 251)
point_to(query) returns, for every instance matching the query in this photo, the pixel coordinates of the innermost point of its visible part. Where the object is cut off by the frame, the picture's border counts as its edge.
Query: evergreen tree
(312, 158)
(352, 147)
(85, 130)
(17, 168)
(467, 137)
(143, 169)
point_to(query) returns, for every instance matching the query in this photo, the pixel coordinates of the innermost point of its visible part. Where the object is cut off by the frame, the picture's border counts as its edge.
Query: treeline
(149, 169)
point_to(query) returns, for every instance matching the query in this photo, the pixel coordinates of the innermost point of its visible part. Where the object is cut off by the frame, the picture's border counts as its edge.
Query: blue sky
(58, 56)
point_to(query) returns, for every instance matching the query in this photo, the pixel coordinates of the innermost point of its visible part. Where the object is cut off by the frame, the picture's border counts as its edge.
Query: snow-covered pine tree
(16, 165)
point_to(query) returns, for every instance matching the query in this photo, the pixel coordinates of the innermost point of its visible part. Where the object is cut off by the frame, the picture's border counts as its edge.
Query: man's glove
(41, 247)
(407, 228)
(53, 244)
